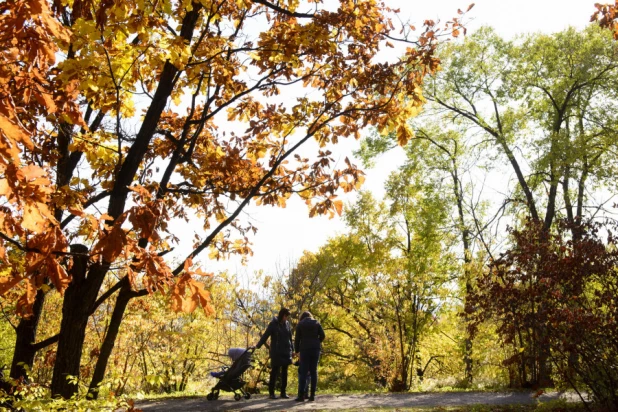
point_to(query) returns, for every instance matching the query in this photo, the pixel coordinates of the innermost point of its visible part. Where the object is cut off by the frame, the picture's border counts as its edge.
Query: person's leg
(307, 382)
(284, 381)
(274, 373)
(313, 370)
(302, 376)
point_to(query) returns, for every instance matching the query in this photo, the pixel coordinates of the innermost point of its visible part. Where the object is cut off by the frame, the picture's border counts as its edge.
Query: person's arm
(321, 333)
(291, 340)
(297, 339)
(265, 336)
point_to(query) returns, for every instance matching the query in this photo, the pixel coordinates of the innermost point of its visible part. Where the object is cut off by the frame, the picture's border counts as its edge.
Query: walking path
(360, 401)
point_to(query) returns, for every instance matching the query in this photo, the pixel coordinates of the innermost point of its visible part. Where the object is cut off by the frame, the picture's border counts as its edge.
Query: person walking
(281, 350)
(308, 343)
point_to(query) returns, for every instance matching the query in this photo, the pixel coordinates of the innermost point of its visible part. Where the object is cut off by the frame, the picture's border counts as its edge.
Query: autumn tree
(119, 117)
(568, 284)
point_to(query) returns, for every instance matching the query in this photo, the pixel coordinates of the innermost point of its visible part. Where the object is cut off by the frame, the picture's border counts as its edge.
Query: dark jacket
(281, 345)
(309, 335)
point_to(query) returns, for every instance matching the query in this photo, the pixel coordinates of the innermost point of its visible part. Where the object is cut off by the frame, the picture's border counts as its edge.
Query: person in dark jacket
(281, 350)
(308, 343)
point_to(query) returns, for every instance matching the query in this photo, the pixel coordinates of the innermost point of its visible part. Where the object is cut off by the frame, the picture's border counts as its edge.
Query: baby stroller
(230, 380)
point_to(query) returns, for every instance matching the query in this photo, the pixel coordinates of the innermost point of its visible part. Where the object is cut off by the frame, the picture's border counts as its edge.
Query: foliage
(606, 16)
(119, 118)
(35, 398)
(115, 50)
(541, 104)
(378, 289)
(568, 284)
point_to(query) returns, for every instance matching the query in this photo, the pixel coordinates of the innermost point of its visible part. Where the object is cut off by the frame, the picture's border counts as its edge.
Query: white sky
(283, 234)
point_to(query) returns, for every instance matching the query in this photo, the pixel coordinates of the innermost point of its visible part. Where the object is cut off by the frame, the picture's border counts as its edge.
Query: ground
(349, 402)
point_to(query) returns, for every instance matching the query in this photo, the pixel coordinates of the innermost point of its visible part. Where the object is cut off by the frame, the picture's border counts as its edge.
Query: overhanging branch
(284, 11)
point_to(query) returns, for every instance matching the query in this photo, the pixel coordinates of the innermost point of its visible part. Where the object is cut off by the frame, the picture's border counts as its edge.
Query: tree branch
(284, 11)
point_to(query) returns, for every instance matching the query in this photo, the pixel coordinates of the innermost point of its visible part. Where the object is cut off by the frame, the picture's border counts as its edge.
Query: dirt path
(409, 400)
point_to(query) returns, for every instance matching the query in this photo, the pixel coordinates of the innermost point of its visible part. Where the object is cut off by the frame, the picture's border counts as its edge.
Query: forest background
(488, 259)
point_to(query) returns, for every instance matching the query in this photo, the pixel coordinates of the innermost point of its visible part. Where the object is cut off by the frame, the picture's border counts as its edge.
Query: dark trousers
(308, 364)
(274, 373)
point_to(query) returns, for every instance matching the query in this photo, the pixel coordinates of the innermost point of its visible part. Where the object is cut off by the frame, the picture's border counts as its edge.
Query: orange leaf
(111, 245)
(44, 99)
(25, 302)
(58, 275)
(14, 132)
(77, 211)
(30, 172)
(34, 217)
(7, 282)
(338, 206)
(5, 188)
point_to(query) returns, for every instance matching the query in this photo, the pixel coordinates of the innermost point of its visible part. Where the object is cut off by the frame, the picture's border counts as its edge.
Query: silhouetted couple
(308, 343)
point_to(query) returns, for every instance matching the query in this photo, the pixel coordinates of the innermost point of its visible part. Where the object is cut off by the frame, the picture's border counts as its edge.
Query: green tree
(543, 103)
(441, 149)
(380, 286)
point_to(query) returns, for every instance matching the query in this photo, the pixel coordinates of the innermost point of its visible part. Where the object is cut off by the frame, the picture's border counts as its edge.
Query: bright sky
(283, 234)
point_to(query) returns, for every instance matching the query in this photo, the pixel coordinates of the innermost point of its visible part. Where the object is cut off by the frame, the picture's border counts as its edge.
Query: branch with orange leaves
(37, 250)
(254, 192)
(452, 28)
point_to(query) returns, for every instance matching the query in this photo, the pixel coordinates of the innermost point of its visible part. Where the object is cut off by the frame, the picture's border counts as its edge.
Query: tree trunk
(125, 295)
(23, 357)
(465, 238)
(72, 335)
(79, 299)
(467, 355)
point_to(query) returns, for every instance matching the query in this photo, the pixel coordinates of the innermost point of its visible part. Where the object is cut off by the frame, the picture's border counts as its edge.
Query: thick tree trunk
(79, 299)
(72, 334)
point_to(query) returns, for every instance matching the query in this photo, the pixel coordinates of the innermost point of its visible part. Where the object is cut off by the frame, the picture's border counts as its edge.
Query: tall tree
(441, 149)
(542, 100)
(156, 82)
(378, 287)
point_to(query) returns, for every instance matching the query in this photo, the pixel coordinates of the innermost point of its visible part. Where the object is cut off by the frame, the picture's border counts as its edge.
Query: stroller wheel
(237, 396)
(210, 396)
(247, 395)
